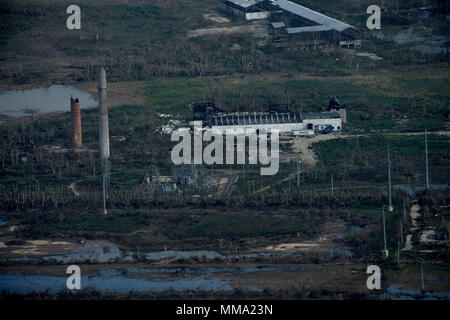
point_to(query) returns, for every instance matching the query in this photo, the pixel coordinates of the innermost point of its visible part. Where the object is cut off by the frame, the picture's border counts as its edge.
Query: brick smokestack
(76, 123)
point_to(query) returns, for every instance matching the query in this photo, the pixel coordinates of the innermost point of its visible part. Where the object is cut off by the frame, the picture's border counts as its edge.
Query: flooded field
(56, 98)
(141, 279)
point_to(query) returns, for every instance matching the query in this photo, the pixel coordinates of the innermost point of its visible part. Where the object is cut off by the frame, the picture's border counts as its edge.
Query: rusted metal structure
(75, 110)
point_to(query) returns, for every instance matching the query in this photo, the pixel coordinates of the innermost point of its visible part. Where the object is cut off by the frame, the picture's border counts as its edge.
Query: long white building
(288, 122)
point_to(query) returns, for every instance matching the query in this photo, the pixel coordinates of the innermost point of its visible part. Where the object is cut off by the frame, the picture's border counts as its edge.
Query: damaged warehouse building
(287, 122)
(292, 24)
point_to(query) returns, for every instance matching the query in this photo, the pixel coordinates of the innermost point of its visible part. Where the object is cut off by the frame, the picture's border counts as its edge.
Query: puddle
(353, 228)
(412, 190)
(425, 14)
(199, 271)
(394, 293)
(344, 251)
(437, 279)
(271, 254)
(3, 222)
(16, 103)
(24, 284)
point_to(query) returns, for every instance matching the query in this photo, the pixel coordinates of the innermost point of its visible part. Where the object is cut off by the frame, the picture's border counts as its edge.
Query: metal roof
(277, 25)
(325, 23)
(254, 118)
(244, 3)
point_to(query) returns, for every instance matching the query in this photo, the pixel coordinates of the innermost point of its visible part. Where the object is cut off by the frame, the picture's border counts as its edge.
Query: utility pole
(298, 174)
(404, 211)
(104, 188)
(426, 161)
(104, 132)
(390, 208)
(332, 188)
(289, 176)
(401, 231)
(385, 251)
(398, 251)
(421, 271)
(409, 187)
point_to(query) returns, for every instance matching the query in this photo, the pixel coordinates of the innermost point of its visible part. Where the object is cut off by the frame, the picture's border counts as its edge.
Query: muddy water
(393, 293)
(24, 284)
(16, 103)
(171, 254)
(138, 279)
(353, 228)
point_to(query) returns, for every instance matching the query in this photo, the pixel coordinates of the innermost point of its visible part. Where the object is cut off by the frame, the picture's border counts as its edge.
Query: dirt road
(256, 29)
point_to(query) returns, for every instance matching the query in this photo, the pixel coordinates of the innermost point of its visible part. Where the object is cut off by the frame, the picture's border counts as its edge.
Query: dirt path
(414, 214)
(327, 242)
(303, 146)
(216, 18)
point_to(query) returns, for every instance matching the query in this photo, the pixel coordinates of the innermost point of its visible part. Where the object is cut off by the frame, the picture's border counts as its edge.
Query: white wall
(336, 123)
(281, 127)
(257, 15)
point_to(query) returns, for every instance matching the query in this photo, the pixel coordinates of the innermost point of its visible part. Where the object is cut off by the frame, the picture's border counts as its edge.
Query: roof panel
(326, 23)
(277, 25)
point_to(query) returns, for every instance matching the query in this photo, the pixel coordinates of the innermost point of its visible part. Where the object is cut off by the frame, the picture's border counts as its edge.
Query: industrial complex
(294, 123)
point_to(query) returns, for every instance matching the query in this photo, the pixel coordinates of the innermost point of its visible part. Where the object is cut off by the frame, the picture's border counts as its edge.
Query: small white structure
(319, 121)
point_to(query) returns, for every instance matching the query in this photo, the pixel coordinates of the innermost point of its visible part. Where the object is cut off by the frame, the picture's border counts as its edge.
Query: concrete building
(285, 122)
(260, 121)
(320, 121)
